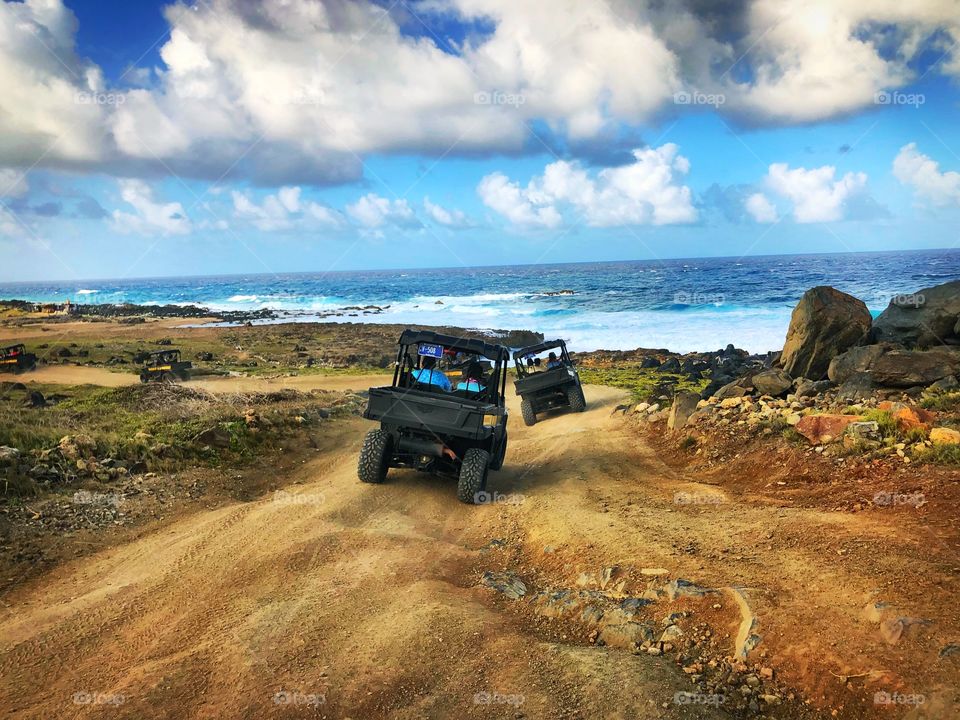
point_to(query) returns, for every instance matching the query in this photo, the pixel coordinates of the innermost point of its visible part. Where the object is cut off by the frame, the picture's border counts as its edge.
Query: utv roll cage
(525, 363)
(495, 389)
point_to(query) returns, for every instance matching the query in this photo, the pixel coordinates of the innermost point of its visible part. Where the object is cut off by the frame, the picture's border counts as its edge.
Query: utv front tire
(374, 457)
(578, 403)
(529, 416)
(473, 475)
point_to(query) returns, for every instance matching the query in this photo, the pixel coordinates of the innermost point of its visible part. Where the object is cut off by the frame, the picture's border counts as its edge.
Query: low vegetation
(644, 384)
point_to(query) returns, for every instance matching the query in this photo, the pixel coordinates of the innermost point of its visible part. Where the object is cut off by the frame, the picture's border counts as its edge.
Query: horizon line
(474, 267)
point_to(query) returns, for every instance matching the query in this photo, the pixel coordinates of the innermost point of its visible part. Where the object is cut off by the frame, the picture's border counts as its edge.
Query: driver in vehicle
(427, 374)
(472, 380)
(552, 362)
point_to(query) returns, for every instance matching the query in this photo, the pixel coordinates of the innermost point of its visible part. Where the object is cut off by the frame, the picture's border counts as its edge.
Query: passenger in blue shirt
(472, 378)
(428, 375)
(552, 362)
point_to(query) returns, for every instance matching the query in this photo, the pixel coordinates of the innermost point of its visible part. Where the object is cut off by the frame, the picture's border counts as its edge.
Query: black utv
(547, 378)
(16, 359)
(165, 366)
(444, 413)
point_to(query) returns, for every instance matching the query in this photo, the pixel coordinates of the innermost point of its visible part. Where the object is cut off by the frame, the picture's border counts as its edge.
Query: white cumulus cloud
(149, 217)
(648, 191)
(442, 216)
(817, 195)
(760, 208)
(373, 212)
(923, 174)
(283, 211)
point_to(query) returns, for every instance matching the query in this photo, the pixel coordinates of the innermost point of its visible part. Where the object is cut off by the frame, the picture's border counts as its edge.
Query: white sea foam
(87, 292)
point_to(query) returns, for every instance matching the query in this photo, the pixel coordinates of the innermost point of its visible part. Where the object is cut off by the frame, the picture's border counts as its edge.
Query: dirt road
(85, 375)
(337, 599)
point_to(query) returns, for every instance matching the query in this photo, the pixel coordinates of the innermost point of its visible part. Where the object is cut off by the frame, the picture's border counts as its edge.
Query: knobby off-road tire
(578, 403)
(529, 416)
(374, 457)
(473, 475)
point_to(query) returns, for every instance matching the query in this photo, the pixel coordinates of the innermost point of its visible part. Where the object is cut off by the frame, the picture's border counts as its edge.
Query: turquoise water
(683, 305)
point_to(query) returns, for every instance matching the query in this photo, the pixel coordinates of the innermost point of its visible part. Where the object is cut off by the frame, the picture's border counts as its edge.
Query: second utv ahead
(547, 378)
(444, 413)
(16, 359)
(165, 366)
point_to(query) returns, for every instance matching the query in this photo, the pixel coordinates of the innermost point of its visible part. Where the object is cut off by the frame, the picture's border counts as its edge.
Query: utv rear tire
(529, 416)
(473, 475)
(374, 457)
(578, 403)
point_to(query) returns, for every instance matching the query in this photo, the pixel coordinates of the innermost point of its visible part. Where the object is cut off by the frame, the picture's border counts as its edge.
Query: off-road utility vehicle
(165, 366)
(547, 379)
(444, 413)
(16, 359)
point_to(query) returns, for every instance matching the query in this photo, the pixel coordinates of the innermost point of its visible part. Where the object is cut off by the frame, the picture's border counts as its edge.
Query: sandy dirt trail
(80, 375)
(363, 596)
(368, 597)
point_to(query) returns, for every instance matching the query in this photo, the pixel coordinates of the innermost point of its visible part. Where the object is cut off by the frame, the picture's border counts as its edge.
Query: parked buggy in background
(547, 378)
(433, 424)
(16, 359)
(165, 366)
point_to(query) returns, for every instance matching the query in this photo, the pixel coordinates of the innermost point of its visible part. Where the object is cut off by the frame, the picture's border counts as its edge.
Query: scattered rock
(506, 582)
(774, 382)
(684, 405)
(823, 429)
(944, 436)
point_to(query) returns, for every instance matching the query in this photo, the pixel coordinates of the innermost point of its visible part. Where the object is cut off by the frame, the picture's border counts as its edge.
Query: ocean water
(683, 305)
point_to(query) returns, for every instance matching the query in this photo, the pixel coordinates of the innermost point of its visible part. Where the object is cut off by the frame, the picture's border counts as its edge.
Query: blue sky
(146, 139)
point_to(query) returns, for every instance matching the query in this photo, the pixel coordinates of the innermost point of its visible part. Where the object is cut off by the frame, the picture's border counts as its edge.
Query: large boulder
(892, 366)
(923, 319)
(825, 323)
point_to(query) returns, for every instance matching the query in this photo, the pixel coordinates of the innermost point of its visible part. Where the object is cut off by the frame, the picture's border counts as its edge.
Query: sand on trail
(363, 601)
(85, 375)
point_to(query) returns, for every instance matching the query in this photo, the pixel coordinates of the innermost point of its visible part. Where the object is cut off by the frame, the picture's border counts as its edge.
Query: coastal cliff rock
(825, 323)
(923, 319)
(889, 365)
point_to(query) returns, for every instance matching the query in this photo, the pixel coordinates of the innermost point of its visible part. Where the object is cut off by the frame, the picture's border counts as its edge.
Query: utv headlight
(491, 420)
